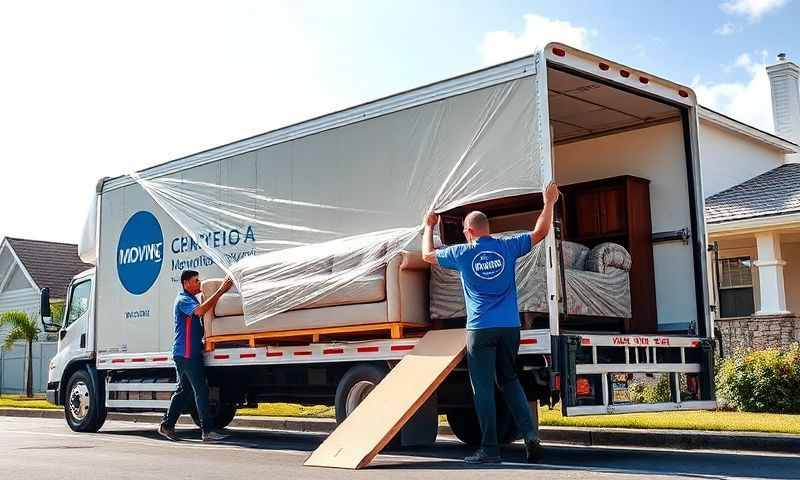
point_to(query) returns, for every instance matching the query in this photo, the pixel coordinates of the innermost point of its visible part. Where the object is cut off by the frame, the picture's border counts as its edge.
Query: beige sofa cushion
(341, 315)
(229, 304)
(368, 289)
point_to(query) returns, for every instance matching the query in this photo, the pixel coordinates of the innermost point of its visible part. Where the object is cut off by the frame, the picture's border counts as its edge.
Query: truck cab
(72, 378)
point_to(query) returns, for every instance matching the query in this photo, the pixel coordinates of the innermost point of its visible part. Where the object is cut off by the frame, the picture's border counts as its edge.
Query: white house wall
(657, 154)
(729, 159)
(26, 300)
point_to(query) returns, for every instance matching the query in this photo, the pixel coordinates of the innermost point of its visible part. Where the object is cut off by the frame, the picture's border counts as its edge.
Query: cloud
(753, 9)
(503, 45)
(726, 29)
(747, 101)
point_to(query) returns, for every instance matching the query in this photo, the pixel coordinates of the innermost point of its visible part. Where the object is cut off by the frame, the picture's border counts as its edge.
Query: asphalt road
(39, 448)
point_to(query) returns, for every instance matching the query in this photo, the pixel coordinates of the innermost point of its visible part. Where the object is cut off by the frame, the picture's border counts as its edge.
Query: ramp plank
(394, 400)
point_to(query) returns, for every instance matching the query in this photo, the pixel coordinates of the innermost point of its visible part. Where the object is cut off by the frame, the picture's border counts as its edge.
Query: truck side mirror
(44, 309)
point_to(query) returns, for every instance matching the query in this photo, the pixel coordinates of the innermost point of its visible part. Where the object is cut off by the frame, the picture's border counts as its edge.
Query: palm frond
(23, 327)
(14, 335)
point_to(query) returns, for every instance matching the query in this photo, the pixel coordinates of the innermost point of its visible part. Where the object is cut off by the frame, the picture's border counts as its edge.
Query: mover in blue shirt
(187, 352)
(486, 266)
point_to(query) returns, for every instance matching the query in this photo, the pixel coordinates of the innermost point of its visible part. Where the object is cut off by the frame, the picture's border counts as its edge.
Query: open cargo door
(392, 403)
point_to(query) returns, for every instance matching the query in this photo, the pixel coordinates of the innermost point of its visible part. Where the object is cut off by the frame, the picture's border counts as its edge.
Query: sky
(94, 89)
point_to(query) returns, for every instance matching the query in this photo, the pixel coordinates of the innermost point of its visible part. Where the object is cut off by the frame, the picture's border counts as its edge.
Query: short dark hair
(188, 275)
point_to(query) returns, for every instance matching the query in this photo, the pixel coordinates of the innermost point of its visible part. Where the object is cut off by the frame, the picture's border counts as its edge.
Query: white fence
(13, 363)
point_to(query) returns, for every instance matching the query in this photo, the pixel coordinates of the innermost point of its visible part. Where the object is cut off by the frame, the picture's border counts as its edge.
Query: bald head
(476, 225)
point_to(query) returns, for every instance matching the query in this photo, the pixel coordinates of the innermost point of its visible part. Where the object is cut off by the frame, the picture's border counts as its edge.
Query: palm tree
(23, 327)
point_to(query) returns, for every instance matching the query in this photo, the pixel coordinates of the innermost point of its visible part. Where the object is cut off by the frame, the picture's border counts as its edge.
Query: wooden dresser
(618, 210)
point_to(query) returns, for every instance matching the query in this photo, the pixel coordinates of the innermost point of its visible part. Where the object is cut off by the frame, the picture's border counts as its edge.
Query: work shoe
(533, 451)
(481, 457)
(213, 436)
(166, 432)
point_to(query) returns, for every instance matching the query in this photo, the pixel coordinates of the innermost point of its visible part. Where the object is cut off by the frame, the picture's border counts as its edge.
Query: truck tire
(221, 415)
(354, 387)
(465, 426)
(83, 409)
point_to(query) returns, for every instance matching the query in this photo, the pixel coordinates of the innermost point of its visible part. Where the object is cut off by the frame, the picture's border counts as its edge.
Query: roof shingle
(50, 264)
(775, 192)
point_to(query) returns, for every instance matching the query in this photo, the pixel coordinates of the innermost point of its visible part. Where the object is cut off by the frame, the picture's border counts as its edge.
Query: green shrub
(656, 391)
(761, 380)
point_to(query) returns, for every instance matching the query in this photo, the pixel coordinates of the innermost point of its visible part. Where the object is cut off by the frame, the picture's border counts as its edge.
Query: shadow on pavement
(447, 455)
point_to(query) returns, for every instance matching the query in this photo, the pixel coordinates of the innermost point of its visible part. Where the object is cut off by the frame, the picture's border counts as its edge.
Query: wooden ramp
(388, 407)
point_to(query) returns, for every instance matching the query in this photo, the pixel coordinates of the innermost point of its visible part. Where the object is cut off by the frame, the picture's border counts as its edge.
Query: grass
(289, 410)
(21, 401)
(696, 420)
(701, 420)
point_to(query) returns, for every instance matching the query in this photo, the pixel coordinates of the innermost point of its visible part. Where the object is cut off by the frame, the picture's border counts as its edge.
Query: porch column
(770, 274)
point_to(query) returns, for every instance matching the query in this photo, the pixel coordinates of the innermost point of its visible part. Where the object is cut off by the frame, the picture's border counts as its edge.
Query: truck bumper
(52, 393)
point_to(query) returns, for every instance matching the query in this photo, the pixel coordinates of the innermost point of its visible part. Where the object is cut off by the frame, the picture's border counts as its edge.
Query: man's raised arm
(545, 219)
(428, 251)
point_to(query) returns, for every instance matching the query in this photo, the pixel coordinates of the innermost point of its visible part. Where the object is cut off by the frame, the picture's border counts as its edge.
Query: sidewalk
(610, 437)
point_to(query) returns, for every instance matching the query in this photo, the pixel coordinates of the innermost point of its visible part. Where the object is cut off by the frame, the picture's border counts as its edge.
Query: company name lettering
(140, 253)
(216, 239)
(488, 265)
(137, 314)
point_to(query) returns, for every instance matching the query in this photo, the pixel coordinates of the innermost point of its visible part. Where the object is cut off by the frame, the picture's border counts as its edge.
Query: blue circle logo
(140, 252)
(488, 265)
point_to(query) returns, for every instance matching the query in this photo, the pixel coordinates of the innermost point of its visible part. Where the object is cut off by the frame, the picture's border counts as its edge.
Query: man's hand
(550, 193)
(431, 219)
(226, 284)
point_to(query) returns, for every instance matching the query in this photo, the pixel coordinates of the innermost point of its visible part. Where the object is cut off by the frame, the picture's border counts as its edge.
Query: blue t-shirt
(487, 274)
(188, 329)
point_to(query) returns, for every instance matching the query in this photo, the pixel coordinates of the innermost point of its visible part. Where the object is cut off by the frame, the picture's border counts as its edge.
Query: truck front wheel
(83, 409)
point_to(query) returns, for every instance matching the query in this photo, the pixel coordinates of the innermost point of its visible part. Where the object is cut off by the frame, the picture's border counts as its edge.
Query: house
(752, 183)
(27, 266)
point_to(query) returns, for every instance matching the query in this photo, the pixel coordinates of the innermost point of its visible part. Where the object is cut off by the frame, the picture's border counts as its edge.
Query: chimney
(784, 81)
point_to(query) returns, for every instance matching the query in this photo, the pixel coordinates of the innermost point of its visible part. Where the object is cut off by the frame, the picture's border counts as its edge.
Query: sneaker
(533, 451)
(168, 433)
(213, 436)
(481, 457)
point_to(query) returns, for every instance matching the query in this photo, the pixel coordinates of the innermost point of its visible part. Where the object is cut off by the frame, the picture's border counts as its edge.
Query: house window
(735, 287)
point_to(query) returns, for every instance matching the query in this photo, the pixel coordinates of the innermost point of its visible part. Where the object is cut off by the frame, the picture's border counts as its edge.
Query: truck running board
(371, 426)
(604, 374)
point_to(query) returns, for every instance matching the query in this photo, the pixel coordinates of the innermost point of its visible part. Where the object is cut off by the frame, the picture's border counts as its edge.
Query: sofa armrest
(407, 288)
(606, 256)
(413, 261)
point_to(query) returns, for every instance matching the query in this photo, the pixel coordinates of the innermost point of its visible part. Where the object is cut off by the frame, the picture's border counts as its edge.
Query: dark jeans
(191, 382)
(491, 358)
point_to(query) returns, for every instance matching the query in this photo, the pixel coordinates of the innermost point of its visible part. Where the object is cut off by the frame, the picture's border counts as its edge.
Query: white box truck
(621, 142)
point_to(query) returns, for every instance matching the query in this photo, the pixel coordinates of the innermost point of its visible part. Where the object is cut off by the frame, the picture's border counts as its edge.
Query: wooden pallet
(394, 330)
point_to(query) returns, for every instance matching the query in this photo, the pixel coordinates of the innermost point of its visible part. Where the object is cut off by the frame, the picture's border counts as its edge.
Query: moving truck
(627, 257)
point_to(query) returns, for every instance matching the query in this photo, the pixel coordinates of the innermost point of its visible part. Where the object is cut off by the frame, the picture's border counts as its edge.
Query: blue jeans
(491, 358)
(191, 380)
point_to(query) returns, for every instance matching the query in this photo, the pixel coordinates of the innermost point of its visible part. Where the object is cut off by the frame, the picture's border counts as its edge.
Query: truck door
(74, 332)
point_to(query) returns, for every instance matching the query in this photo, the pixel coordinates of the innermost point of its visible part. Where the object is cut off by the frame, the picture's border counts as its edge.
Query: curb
(606, 437)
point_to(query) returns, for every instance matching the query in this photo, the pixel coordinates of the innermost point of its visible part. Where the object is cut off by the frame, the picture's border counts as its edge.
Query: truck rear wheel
(354, 387)
(221, 415)
(465, 426)
(83, 409)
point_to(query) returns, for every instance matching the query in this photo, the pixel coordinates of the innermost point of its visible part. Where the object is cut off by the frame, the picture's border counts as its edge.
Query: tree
(24, 327)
